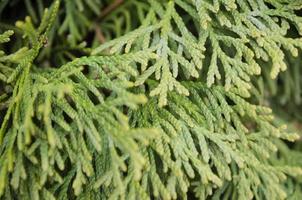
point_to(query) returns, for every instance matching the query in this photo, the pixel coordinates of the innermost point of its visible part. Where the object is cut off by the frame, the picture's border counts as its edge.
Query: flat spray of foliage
(150, 99)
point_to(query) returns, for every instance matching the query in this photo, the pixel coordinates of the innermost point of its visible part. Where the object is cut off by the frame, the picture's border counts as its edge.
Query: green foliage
(236, 40)
(175, 99)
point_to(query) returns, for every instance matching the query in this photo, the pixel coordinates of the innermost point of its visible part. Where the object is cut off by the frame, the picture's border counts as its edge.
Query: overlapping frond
(159, 110)
(235, 36)
(67, 117)
(204, 137)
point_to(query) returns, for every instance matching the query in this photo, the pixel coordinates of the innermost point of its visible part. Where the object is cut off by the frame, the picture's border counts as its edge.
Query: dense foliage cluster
(150, 99)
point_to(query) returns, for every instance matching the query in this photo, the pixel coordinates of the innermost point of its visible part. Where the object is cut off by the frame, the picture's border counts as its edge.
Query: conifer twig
(99, 34)
(110, 8)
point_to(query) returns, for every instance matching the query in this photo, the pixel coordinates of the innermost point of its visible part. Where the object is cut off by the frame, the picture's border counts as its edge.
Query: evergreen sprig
(178, 99)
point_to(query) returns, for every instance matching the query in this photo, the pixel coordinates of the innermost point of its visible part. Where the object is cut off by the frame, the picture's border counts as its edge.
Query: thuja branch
(110, 8)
